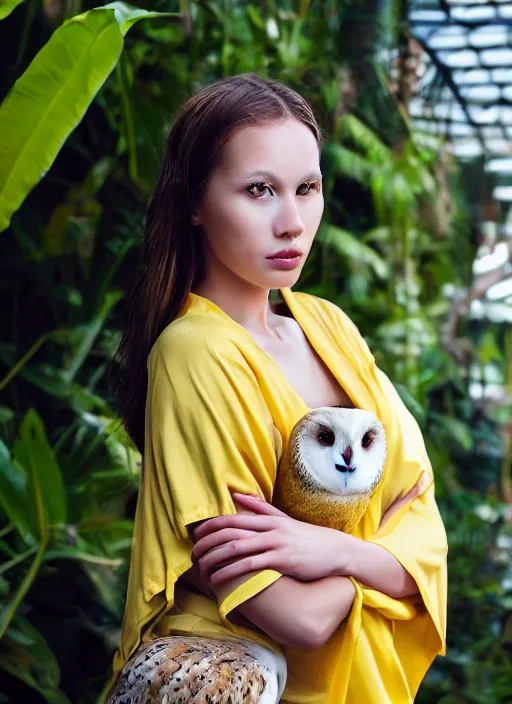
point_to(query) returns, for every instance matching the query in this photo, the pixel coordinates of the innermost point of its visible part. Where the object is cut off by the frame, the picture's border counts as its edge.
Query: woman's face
(265, 196)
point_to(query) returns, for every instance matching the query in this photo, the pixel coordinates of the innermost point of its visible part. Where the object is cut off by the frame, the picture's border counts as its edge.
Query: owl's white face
(342, 450)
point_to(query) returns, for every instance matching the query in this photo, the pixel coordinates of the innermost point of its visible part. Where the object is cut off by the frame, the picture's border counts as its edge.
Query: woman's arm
(301, 615)
(230, 546)
(296, 614)
(375, 567)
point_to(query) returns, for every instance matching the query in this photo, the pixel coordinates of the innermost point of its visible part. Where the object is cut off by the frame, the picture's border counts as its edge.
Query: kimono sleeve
(208, 433)
(414, 534)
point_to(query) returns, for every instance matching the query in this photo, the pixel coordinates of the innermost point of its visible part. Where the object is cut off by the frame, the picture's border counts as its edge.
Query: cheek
(316, 212)
(235, 221)
(311, 215)
(248, 216)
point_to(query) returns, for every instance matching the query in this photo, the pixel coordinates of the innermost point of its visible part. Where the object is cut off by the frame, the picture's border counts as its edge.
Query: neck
(247, 305)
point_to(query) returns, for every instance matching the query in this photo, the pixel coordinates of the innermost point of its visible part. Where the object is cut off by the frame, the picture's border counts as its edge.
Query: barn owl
(186, 669)
(333, 462)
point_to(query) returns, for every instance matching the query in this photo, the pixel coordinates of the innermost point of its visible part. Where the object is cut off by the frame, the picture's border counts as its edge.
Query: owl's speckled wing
(180, 670)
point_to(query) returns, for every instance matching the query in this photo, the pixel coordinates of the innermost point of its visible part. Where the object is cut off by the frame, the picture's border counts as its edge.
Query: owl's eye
(367, 439)
(326, 437)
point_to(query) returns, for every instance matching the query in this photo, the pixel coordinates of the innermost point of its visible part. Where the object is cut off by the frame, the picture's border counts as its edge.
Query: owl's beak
(340, 464)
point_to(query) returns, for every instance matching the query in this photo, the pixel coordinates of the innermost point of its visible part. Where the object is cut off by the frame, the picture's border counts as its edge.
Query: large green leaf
(35, 454)
(48, 101)
(14, 494)
(351, 248)
(28, 656)
(91, 332)
(365, 139)
(350, 164)
(7, 6)
(456, 429)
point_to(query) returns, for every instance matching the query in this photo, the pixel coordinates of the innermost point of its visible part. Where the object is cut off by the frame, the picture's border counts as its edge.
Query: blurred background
(415, 101)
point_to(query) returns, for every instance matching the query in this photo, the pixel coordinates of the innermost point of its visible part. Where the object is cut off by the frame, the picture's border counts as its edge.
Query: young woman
(213, 379)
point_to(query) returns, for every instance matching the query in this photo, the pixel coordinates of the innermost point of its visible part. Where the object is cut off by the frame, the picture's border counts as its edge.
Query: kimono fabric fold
(219, 414)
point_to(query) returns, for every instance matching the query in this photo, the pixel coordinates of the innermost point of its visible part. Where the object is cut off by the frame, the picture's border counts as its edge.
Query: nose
(288, 220)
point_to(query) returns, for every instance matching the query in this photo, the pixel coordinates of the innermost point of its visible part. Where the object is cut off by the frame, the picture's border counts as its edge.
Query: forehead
(287, 148)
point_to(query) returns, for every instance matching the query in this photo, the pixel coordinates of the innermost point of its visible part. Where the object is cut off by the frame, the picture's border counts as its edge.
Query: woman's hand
(229, 546)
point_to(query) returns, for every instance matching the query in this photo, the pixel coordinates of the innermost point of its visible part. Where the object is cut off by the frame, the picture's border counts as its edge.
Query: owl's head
(333, 461)
(342, 450)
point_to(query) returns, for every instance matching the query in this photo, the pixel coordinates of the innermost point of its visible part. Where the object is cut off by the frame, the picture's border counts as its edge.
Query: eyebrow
(269, 176)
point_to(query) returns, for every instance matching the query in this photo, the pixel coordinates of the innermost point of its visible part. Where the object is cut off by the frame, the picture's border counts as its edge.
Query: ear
(194, 218)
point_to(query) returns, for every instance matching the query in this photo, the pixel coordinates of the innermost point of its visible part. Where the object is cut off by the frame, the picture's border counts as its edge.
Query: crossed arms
(304, 607)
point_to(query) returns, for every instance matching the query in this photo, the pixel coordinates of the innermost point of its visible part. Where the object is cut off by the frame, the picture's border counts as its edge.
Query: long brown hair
(171, 258)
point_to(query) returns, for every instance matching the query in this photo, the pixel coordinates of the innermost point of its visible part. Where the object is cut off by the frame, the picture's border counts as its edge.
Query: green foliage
(7, 6)
(61, 506)
(52, 96)
(29, 658)
(81, 152)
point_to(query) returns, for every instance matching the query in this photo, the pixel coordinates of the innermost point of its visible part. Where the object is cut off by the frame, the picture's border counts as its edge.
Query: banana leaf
(14, 494)
(48, 101)
(35, 454)
(7, 6)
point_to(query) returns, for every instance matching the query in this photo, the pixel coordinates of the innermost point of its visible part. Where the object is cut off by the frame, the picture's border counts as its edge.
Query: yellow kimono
(219, 413)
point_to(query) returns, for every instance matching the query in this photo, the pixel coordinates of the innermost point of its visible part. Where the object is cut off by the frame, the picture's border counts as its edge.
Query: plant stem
(30, 11)
(131, 142)
(8, 529)
(10, 610)
(16, 560)
(27, 357)
(21, 363)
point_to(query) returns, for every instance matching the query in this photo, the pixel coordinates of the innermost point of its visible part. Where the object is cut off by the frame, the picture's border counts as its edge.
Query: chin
(278, 279)
(286, 279)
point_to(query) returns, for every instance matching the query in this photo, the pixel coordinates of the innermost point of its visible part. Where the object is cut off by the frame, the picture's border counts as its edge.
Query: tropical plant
(82, 126)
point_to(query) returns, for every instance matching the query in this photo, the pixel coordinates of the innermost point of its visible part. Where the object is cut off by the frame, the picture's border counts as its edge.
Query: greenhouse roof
(465, 96)
(467, 85)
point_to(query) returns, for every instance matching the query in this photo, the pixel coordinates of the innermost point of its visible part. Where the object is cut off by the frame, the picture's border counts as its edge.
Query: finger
(257, 505)
(235, 549)
(246, 565)
(209, 566)
(217, 538)
(258, 523)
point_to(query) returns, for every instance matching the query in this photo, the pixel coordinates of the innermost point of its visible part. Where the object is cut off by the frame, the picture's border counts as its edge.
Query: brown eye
(260, 188)
(310, 186)
(367, 439)
(326, 437)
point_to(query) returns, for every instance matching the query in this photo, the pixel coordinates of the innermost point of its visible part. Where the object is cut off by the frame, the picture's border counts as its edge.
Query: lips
(286, 254)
